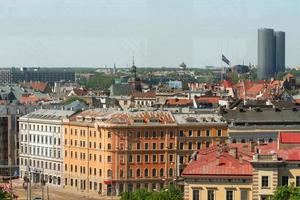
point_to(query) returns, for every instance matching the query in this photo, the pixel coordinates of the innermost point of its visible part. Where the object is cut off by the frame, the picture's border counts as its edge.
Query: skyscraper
(280, 51)
(270, 53)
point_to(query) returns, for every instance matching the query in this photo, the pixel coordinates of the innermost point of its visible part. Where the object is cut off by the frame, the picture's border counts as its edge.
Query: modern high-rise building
(280, 51)
(270, 53)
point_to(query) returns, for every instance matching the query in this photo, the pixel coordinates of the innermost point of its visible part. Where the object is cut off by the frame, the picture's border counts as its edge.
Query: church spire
(133, 68)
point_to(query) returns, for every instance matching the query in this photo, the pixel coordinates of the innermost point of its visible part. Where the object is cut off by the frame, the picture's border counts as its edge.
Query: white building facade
(41, 145)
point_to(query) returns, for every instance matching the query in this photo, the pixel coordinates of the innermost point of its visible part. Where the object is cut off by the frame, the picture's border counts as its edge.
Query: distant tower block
(266, 53)
(280, 51)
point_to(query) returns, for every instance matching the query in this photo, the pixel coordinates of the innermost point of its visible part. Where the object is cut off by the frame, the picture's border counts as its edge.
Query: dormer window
(79, 118)
(154, 120)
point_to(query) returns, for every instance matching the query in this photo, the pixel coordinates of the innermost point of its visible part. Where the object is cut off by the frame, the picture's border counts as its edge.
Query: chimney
(233, 152)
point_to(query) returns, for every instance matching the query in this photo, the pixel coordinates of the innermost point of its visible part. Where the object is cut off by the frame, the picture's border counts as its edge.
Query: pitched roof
(179, 102)
(289, 137)
(209, 163)
(209, 99)
(40, 86)
(149, 94)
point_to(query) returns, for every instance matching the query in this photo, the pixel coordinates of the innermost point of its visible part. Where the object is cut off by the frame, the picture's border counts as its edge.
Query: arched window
(138, 173)
(161, 172)
(243, 140)
(146, 172)
(171, 172)
(234, 141)
(153, 172)
(109, 173)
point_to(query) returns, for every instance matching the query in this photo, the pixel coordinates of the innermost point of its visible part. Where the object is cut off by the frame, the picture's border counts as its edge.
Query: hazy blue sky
(157, 32)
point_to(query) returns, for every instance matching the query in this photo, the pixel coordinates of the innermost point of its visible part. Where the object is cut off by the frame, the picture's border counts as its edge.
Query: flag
(224, 59)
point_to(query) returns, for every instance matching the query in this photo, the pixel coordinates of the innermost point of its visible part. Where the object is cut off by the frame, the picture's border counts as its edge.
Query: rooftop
(49, 114)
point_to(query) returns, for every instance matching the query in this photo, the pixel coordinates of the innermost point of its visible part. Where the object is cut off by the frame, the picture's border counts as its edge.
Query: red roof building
(245, 170)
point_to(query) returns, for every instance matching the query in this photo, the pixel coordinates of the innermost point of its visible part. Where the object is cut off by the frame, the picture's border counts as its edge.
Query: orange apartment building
(108, 152)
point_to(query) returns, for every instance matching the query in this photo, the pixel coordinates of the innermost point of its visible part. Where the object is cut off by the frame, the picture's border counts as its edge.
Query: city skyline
(98, 33)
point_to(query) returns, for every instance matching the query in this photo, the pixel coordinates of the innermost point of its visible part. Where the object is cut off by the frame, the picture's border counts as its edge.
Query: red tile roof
(179, 102)
(209, 99)
(227, 84)
(289, 137)
(208, 164)
(149, 94)
(40, 86)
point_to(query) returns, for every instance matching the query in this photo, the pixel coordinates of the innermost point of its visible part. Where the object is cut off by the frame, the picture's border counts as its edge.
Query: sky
(98, 33)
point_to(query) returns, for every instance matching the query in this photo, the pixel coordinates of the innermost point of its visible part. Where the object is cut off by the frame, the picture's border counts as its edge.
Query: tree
(170, 193)
(73, 98)
(287, 193)
(4, 195)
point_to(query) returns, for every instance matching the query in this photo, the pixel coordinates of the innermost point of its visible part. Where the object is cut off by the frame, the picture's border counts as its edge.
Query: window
(146, 158)
(196, 194)
(297, 181)
(219, 133)
(130, 159)
(162, 159)
(153, 172)
(199, 133)
(108, 134)
(190, 145)
(264, 181)
(109, 159)
(181, 159)
(181, 133)
(161, 134)
(229, 195)
(171, 145)
(170, 172)
(109, 146)
(210, 195)
(181, 145)
(138, 173)
(138, 146)
(161, 172)
(146, 134)
(154, 134)
(207, 144)
(138, 158)
(154, 159)
(190, 133)
(161, 145)
(284, 180)
(171, 134)
(207, 133)
(244, 195)
(146, 146)
(171, 158)
(146, 172)
(198, 145)
(153, 146)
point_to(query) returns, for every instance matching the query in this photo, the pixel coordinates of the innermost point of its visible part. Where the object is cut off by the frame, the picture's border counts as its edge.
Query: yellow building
(243, 171)
(112, 152)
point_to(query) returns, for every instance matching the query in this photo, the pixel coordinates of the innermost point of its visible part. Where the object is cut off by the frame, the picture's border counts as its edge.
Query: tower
(270, 53)
(265, 53)
(280, 51)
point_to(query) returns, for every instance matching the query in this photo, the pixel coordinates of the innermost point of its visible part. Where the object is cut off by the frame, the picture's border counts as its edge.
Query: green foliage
(287, 193)
(73, 98)
(170, 193)
(98, 81)
(5, 196)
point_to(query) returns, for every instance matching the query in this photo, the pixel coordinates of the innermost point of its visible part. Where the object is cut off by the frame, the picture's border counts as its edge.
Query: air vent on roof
(258, 109)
